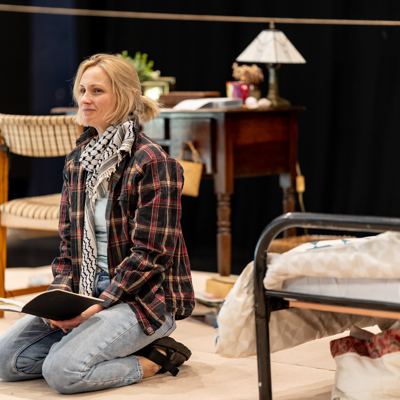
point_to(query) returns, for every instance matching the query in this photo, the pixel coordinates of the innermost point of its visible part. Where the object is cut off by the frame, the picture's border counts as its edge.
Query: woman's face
(96, 100)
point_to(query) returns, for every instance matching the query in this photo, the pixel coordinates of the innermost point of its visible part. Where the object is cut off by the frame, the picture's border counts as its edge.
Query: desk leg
(224, 237)
(289, 200)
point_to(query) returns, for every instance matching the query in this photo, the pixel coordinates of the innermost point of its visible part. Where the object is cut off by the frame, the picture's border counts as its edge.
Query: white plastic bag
(235, 323)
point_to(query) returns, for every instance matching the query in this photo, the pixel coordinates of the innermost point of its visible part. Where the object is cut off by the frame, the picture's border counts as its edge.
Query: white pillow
(370, 257)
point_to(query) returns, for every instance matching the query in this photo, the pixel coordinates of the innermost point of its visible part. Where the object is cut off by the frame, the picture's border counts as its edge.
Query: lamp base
(277, 101)
(273, 92)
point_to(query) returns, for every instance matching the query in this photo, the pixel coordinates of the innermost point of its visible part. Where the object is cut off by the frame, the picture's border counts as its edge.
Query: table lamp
(272, 47)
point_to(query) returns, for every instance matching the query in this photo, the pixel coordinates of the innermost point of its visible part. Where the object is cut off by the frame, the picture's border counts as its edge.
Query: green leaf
(143, 67)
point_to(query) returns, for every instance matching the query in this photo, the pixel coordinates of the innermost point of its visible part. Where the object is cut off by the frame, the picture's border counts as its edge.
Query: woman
(121, 241)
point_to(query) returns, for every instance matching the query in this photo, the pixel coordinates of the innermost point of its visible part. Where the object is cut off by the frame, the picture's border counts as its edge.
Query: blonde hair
(126, 88)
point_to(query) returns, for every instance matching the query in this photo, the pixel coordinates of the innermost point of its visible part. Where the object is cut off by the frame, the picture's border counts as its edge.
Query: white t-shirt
(101, 231)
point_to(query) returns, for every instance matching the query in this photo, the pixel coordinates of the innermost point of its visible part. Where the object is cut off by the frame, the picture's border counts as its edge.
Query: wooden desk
(234, 143)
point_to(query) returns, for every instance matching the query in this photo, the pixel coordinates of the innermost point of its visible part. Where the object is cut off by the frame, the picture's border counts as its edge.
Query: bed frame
(267, 301)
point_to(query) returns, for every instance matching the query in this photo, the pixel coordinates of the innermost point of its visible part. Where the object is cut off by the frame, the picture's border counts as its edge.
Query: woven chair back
(39, 136)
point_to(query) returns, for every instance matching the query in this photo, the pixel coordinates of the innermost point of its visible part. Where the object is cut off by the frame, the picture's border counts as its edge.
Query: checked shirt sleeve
(62, 266)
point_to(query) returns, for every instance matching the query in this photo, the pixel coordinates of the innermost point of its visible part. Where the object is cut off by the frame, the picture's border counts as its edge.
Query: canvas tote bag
(192, 171)
(367, 365)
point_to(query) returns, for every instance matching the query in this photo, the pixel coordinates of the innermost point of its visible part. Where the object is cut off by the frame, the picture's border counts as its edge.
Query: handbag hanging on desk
(192, 171)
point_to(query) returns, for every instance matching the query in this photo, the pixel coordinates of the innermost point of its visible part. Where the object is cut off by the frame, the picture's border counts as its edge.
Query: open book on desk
(212, 102)
(58, 305)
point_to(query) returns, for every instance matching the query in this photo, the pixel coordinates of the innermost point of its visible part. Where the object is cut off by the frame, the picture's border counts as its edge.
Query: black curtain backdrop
(348, 136)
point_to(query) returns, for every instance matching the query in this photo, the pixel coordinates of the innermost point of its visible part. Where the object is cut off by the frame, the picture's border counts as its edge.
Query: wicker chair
(32, 136)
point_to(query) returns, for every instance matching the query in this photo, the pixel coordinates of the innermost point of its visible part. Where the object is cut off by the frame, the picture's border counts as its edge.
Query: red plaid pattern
(147, 256)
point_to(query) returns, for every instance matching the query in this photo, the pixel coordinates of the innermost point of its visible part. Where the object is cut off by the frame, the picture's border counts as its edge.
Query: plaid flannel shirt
(147, 257)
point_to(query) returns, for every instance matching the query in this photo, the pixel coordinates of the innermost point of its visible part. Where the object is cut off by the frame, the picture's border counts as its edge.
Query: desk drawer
(256, 128)
(156, 130)
(172, 133)
(199, 132)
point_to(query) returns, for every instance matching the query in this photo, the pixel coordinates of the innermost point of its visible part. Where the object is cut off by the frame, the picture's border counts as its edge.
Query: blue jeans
(95, 355)
(101, 281)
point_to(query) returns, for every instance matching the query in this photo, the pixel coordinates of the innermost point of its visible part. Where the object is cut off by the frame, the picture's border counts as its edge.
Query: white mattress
(364, 268)
(235, 325)
(387, 290)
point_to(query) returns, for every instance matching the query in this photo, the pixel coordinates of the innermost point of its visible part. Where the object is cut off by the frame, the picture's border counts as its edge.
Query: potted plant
(143, 67)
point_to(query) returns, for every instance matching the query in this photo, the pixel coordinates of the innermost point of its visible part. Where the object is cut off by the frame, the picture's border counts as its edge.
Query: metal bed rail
(267, 301)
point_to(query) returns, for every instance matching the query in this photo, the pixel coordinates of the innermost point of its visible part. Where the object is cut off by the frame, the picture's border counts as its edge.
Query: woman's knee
(59, 375)
(8, 370)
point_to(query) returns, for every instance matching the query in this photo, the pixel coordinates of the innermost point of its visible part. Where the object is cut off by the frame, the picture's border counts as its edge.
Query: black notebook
(56, 304)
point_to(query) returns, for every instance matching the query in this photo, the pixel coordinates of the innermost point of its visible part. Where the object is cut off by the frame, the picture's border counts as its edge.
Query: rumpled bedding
(375, 257)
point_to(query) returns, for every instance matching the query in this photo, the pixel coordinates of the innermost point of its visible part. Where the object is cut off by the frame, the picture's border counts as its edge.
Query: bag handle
(195, 154)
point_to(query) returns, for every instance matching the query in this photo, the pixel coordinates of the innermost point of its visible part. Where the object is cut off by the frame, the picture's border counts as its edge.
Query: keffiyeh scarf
(100, 159)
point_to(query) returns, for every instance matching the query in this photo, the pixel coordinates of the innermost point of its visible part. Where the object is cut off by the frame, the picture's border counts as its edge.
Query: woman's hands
(75, 322)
